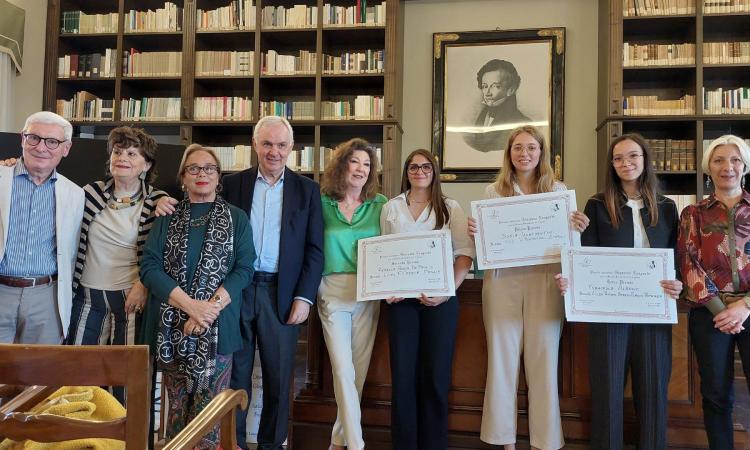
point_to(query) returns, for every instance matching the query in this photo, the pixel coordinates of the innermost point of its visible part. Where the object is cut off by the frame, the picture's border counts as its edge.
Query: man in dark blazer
(285, 214)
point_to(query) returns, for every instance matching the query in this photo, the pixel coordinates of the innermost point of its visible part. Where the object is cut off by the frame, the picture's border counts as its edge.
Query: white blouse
(640, 238)
(396, 218)
(490, 192)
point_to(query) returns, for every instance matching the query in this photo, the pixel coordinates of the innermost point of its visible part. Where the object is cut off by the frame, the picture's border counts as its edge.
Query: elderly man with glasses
(40, 217)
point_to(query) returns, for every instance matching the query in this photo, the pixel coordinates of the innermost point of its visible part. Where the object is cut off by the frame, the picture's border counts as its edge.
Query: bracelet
(217, 298)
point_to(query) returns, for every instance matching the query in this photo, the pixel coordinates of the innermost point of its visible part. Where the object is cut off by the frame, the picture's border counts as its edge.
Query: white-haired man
(40, 218)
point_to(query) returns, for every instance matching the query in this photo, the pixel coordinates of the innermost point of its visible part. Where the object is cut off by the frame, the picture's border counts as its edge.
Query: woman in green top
(351, 211)
(196, 263)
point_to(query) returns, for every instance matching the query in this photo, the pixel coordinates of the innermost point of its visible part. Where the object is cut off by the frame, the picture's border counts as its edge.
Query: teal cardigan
(160, 284)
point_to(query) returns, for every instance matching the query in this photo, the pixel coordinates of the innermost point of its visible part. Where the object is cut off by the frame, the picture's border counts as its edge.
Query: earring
(182, 187)
(143, 174)
(708, 183)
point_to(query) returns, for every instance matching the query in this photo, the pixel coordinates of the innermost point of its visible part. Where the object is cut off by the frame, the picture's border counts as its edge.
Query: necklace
(127, 201)
(199, 221)
(410, 201)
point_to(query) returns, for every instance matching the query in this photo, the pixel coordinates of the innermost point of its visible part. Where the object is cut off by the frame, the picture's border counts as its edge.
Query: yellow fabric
(88, 403)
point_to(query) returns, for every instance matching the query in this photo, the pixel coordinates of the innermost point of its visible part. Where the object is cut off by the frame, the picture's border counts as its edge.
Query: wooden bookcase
(670, 82)
(316, 87)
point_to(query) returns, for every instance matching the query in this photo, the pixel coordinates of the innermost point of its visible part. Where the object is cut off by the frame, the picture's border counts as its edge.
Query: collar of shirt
(263, 178)
(20, 169)
(711, 201)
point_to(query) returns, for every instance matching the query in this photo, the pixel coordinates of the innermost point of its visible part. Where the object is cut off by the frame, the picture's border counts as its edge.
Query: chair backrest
(54, 366)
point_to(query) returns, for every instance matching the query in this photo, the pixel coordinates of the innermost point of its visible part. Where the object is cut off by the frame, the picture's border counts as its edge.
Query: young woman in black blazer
(630, 213)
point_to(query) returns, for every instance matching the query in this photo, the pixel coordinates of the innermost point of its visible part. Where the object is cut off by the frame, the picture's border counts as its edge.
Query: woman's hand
(193, 328)
(204, 313)
(224, 299)
(8, 162)
(432, 301)
(391, 300)
(472, 227)
(165, 206)
(135, 298)
(671, 287)
(730, 320)
(579, 221)
(562, 283)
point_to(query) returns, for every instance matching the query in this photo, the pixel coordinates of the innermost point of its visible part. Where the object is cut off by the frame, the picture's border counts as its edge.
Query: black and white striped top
(98, 194)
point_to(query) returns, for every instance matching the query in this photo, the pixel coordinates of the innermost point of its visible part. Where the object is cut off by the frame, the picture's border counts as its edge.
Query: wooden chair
(44, 368)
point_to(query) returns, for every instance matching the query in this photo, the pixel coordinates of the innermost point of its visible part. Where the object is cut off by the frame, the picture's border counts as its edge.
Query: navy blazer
(601, 233)
(301, 242)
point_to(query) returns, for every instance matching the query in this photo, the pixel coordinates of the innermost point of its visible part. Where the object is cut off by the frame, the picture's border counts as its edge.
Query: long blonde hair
(543, 174)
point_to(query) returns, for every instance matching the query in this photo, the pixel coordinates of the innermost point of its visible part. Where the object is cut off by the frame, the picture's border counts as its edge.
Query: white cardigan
(69, 200)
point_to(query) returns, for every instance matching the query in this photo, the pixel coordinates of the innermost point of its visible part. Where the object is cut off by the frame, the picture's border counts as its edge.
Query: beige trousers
(523, 314)
(349, 330)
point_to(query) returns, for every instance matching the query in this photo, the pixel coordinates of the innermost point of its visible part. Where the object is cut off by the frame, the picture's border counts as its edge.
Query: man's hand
(300, 311)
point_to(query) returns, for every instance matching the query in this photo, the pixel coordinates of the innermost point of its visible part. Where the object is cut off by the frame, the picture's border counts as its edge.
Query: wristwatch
(217, 298)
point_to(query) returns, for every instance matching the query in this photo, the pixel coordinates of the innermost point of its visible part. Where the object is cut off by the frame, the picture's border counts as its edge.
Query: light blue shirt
(265, 220)
(31, 248)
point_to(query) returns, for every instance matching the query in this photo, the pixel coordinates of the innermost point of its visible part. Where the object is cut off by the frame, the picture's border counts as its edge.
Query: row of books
(359, 14)
(304, 157)
(657, 7)
(637, 55)
(364, 107)
(151, 64)
(223, 108)
(726, 52)
(650, 105)
(94, 65)
(368, 61)
(224, 63)
(238, 15)
(272, 63)
(296, 16)
(168, 18)
(726, 101)
(78, 22)
(150, 108)
(292, 110)
(234, 158)
(85, 106)
(726, 6)
(672, 154)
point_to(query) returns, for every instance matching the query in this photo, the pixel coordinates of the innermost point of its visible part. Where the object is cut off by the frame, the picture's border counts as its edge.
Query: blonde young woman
(523, 312)
(351, 211)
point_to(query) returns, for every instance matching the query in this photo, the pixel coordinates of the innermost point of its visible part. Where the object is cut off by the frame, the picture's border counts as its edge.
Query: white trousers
(349, 330)
(523, 314)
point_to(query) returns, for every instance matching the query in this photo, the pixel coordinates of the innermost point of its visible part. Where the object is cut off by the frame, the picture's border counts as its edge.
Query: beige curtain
(11, 58)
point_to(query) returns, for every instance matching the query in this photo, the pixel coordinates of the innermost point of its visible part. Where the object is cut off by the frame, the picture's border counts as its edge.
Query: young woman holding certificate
(630, 213)
(422, 330)
(351, 211)
(713, 252)
(523, 312)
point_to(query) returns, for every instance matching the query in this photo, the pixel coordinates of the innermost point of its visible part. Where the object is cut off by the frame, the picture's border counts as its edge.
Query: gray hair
(273, 120)
(50, 118)
(727, 139)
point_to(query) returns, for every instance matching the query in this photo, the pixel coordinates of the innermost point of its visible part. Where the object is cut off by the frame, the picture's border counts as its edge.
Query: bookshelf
(206, 70)
(677, 72)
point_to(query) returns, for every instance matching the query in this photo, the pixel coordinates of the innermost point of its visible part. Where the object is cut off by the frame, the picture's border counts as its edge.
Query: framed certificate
(524, 230)
(405, 265)
(618, 285)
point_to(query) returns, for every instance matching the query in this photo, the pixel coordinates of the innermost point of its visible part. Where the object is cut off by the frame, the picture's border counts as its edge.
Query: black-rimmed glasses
(50, 143)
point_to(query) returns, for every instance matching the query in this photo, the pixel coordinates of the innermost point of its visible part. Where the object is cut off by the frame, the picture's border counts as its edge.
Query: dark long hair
(614, 194)
(437, 199)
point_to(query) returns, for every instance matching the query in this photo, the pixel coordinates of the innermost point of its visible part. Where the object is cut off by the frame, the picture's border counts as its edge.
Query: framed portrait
(485, 84)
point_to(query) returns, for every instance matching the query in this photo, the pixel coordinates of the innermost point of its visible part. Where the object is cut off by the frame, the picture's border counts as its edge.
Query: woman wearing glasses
(422, 330)
(713, 251)
(109, 295)
(196, 263)
(523, 312)
(630, 213)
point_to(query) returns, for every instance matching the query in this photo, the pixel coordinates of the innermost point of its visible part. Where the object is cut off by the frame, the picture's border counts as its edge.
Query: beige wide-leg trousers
(349, 330)
(523, 314)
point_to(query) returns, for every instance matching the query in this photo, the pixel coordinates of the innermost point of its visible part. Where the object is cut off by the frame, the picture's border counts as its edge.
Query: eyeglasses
(518, 148)
(414, 168)
(631, 158)
(50, 143)
(208, 169)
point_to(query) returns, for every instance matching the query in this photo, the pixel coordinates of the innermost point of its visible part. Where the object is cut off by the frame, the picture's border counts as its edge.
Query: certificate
(405, 265)
(524, 230)
(619, 285)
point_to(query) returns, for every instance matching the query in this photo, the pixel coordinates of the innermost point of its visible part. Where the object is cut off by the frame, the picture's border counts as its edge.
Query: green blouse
(340, 236)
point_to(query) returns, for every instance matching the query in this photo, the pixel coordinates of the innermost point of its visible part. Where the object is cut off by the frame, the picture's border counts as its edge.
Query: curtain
(12, 20)
(7, 76)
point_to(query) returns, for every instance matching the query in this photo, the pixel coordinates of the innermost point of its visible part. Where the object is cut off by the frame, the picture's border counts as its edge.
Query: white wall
(579, 17)
(30, 84)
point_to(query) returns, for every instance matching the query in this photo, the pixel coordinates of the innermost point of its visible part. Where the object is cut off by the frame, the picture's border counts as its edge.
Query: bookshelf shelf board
(85, 79)
(659, 17)
(660, 67)
(289, 30)
(742, 14)
(224, 32)
(726, 66)
(221, 123)
(662, 118)
(223, 77)
(725, 117)
(150, 77)
(152, 33)
(286, 76)
(675, 172)
(330, 27)
(354, 75)
(91, 122)
(87, 35)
